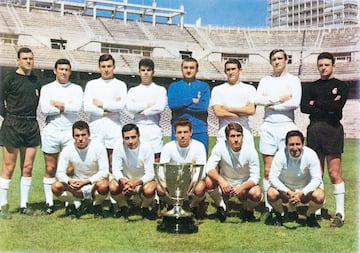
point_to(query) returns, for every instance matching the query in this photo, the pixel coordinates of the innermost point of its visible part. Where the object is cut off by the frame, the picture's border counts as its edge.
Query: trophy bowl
(177, 181)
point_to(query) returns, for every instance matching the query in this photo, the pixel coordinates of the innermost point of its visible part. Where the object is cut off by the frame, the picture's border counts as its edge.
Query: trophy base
(177, 225)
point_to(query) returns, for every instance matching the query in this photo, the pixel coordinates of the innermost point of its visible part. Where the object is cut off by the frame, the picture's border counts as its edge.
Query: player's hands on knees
(226, 188)
(75, 184)
(239, 190)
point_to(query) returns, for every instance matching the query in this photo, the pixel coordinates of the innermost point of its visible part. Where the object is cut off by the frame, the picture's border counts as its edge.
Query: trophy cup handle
(194, 167)
(157, 178)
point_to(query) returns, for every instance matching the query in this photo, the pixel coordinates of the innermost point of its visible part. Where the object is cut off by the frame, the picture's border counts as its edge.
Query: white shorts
(248, 139)
(54, 140)
(153, 135)
(106, 132)
(272, 136)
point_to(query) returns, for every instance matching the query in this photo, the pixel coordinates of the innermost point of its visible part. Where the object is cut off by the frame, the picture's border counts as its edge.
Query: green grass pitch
(57, 234)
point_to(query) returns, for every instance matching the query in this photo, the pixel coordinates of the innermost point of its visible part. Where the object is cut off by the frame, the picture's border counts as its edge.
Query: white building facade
(312, 13)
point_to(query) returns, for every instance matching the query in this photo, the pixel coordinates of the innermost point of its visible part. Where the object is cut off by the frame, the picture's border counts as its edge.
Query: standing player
(238, 175)
(295, 178)
(189, 98)
(233, 101)
(60, 101)
(133, 172)
(147, 101)
(20, 130)
(104, 98)
(89, 161)
(324, 100)
(280, 93)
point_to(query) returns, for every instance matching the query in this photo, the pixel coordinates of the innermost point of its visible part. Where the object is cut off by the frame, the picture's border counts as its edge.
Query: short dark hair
(106, 57)
(23, 50)
(293, 133)
(146, 62)
(233, 126)
(277, 50)
(232, 61)
(190, 59)
(80, 125)
(62, 61)
(129, 127)
(326, 55)
(182, 122)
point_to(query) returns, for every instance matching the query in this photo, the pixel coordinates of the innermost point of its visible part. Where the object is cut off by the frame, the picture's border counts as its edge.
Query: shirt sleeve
(203, 104)
(260, 98)
(214, 159)
(159, 105)
(331, 106)
(89, 107)
(295, 99)
(117, 104)
(177, 98)
(117, 162)
(75, 105)
(133, 105)
(315, 172)
(63, 163)
(254, 165)
(45, 107)
(148, 167)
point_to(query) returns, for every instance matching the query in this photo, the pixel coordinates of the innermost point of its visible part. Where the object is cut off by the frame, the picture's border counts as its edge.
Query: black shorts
(17, 133)
(325, 138)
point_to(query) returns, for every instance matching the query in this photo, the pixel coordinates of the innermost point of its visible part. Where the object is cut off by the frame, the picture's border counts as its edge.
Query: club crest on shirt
(334, 91)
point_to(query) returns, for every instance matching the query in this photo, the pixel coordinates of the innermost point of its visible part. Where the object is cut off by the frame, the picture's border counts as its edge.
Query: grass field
(56, 233)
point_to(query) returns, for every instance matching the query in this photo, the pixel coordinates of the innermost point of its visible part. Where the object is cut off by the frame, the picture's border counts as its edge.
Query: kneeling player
(133, 173)
(295, 178)
(90, 171)
(238, 175)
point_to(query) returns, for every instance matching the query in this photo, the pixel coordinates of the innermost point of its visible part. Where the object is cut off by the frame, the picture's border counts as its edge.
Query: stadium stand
(82, 38)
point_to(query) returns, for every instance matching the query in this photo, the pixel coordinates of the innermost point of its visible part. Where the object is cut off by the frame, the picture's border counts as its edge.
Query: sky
(239, 13)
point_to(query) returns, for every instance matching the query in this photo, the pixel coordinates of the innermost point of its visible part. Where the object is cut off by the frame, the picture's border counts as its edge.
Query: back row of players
(232, 168)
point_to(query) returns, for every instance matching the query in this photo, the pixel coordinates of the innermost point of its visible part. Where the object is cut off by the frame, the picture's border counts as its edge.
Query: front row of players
(232, 170)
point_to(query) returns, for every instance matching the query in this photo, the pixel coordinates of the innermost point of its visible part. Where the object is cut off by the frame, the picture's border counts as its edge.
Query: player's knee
(102, 187)
(57, 188)
(272, 194)
(209, 183)
(318, 196)
(255, 195)
(114, 187)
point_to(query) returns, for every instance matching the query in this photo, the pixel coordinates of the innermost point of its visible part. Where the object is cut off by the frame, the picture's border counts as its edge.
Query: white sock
(77, 203)
(266, 186)
(339, 193)
(216, 195)
(25, 183)
(47, 190)
(112, 200)
(157, 199)
(4, 188)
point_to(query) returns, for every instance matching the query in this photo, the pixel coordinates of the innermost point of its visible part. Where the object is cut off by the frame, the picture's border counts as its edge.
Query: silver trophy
(176, 180)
